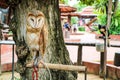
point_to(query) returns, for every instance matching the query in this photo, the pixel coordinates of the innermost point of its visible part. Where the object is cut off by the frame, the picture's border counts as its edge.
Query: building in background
(3, 15)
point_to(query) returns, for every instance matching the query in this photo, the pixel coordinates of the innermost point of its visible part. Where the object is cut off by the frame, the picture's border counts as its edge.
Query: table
(8, 43)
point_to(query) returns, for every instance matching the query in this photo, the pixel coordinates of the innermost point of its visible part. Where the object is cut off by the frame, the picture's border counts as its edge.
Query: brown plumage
(36, 33)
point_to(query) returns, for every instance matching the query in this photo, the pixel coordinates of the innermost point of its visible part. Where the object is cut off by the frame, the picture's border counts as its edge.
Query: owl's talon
(35, 63)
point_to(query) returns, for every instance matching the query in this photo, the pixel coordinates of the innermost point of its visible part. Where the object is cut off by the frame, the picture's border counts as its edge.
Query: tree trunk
(115, 6)
(56, 51)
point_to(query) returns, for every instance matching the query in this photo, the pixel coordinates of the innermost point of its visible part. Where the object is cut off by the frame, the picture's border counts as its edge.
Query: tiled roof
(89, 10)
(86, 12)
(66, 9)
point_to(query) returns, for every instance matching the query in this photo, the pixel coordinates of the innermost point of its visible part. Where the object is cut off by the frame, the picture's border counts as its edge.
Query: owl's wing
(43, 39)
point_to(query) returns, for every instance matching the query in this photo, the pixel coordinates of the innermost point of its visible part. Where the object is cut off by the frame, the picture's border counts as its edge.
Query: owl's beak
(35, 26)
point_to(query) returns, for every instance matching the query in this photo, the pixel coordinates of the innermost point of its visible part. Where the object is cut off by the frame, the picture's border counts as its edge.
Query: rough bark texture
(56, 51)
(115, 6)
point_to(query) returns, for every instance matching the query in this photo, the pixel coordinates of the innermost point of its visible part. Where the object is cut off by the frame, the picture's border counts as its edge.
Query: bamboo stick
(59, 67)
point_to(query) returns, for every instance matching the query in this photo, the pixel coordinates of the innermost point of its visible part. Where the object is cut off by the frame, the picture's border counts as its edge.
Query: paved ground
(8, 76)
(89, 52)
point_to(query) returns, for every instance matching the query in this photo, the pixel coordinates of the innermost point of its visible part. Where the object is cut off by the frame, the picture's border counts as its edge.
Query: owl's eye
(32, 19)
(39, 19)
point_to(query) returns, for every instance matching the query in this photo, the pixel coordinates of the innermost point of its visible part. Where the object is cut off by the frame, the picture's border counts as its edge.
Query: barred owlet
(36, 34)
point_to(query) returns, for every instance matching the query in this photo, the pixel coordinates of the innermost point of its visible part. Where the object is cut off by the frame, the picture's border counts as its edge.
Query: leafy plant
(63, 1)
(115, 23)
(74, 20)
(81, 28)
(80, 6)
(95, 28)
(102, 18)
(114, 27)
(100, 6)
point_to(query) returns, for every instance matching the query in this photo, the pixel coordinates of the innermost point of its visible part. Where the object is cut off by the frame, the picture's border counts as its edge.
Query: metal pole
(79, 58)
(0, 59)
(101, 64)
(13, 62)
(105, 57)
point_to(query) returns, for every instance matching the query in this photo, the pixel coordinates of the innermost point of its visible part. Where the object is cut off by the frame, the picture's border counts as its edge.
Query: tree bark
(56, 51)
(115, 6)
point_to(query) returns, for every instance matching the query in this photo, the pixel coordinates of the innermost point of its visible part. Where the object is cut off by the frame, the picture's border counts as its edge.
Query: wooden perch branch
(59, 67)
(93, 20)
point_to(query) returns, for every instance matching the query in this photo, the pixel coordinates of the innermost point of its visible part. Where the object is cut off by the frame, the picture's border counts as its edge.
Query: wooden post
(13, 61)
(59, 66)
(101, 73)
(0, 59)
(103, 62)
(79, 59)
(69, 20)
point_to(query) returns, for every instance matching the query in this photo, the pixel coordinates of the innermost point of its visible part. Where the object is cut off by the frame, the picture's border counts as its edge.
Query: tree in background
(102, 11)
(115, 23)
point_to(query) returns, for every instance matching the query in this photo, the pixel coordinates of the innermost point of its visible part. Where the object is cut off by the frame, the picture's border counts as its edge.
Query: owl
(36, 33)
(102, 29)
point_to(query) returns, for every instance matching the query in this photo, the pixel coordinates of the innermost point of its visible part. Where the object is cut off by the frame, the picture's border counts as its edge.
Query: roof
(66, 9)
(87, 12)
(71, 14)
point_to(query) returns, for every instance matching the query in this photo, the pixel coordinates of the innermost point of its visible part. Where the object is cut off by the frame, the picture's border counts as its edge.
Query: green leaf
(116, 22)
